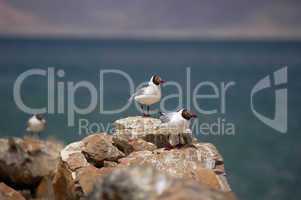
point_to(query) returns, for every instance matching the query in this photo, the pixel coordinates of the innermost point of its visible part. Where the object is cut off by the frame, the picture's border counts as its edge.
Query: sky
(173, 19)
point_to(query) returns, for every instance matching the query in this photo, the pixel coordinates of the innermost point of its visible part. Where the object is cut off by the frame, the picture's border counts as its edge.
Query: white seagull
(36, 124)
(180, 119)
(150, 94)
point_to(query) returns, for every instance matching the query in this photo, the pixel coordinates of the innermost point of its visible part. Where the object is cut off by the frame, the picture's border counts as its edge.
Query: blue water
(261, 162)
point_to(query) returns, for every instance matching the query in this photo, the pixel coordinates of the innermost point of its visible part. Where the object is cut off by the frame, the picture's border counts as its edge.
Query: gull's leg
(147, 107)
(141, 106)
(30, 134)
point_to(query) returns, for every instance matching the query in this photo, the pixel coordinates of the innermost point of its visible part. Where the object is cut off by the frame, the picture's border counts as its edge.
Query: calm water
(261, 162)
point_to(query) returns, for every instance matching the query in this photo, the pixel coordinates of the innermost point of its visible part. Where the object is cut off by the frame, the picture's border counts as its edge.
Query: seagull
(150, 94)
(36, 124)
(179, 119)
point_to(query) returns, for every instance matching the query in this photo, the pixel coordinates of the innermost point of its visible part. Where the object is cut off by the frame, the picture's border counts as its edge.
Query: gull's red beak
(162, 81)
(193, 115)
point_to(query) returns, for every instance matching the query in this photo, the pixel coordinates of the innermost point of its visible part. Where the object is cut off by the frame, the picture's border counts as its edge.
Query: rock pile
(103, 166)
(133, 163)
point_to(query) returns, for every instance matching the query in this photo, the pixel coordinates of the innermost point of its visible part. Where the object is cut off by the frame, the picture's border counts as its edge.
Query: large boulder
(151, 130)
(147, 183)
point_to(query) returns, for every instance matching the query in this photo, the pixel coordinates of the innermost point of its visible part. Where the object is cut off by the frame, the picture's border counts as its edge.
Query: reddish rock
(129, 145)
(99, 147)
(141, 145)
(7, 193)
(45, 189)
(82, 163)
(88, 176)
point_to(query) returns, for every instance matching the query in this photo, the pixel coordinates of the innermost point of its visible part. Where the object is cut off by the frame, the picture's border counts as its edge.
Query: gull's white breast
(35, 125)
(177, 121)
(150, 95)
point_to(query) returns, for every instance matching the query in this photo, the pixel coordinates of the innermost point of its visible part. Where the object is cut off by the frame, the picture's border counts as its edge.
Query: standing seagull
(180, 119)
(36, 124)
(150, 94)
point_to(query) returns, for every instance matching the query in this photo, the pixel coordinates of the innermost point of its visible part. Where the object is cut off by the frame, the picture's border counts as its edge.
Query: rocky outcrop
(142, 159)
(26, 164)
(103, 166)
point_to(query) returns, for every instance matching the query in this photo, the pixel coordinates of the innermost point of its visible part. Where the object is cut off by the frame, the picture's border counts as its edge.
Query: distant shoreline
(149, 39)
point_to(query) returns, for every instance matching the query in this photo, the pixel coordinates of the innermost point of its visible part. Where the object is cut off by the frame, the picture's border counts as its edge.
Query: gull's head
(156, 80)
(187, 114)
(39, 116)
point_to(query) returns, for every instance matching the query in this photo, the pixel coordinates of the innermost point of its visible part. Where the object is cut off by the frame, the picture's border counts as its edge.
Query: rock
(98, 147)
(182, 190)
(146, 183)
(110, 164)
(24, 162)
(64, 182)
(151, 130)
(7, 193)
(141, 145)
(88, 176)
(129, 145)
(81, 163)
(197, 163)
(45, 190)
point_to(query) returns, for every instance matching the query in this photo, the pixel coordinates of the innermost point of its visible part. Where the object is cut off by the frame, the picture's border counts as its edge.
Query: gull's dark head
(157, 80)
(187, 115)
(39, 116)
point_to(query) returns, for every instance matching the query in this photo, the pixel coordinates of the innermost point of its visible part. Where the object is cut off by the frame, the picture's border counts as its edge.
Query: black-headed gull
(180, 119)
(36, 124)
(150, 94)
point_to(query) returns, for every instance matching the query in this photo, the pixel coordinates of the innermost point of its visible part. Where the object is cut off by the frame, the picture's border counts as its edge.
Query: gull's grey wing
(138, 92)
(166, 117)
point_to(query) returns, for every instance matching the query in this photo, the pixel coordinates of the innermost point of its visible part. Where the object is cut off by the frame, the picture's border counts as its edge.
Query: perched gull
(36, 124)
(150, 94)
(179, 119)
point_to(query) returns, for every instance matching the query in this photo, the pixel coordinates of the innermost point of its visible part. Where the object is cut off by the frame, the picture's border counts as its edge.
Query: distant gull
(36, 124)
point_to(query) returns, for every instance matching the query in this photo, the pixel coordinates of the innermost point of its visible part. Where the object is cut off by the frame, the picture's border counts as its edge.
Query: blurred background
(235, 40)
